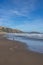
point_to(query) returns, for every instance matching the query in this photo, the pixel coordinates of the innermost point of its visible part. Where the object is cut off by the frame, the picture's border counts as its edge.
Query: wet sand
(15, 53)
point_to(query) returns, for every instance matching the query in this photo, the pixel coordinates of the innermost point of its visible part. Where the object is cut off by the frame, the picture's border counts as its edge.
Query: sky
(26, 15)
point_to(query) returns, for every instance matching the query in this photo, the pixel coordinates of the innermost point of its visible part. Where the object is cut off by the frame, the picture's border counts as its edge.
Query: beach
(15, 53)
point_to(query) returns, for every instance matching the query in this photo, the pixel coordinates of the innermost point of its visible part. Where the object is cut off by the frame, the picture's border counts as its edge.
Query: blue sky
(26, 15)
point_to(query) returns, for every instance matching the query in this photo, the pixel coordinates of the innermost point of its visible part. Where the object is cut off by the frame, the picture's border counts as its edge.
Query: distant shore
(15, 53)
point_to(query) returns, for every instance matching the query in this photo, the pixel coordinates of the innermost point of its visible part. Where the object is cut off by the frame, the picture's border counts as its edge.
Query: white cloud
(24, 7)
(15, 12)
(20, 8)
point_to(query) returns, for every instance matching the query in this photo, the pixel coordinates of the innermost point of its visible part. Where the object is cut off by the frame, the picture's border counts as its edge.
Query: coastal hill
(34, 32)
(9, 30)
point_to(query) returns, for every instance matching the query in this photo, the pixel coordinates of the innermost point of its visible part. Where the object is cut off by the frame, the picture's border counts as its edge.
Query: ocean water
(35, 45)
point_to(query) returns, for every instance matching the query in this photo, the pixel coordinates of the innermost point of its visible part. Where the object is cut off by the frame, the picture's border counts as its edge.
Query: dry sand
(1, 33)
(15, 53)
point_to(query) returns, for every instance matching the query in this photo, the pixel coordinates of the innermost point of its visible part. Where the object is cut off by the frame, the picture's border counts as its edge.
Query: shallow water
(33, 45)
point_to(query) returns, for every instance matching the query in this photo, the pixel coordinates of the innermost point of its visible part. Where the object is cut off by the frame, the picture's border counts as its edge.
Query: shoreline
(15, 53)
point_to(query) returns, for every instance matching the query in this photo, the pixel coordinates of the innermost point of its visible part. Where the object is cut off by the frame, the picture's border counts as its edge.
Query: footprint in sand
(11, 49)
